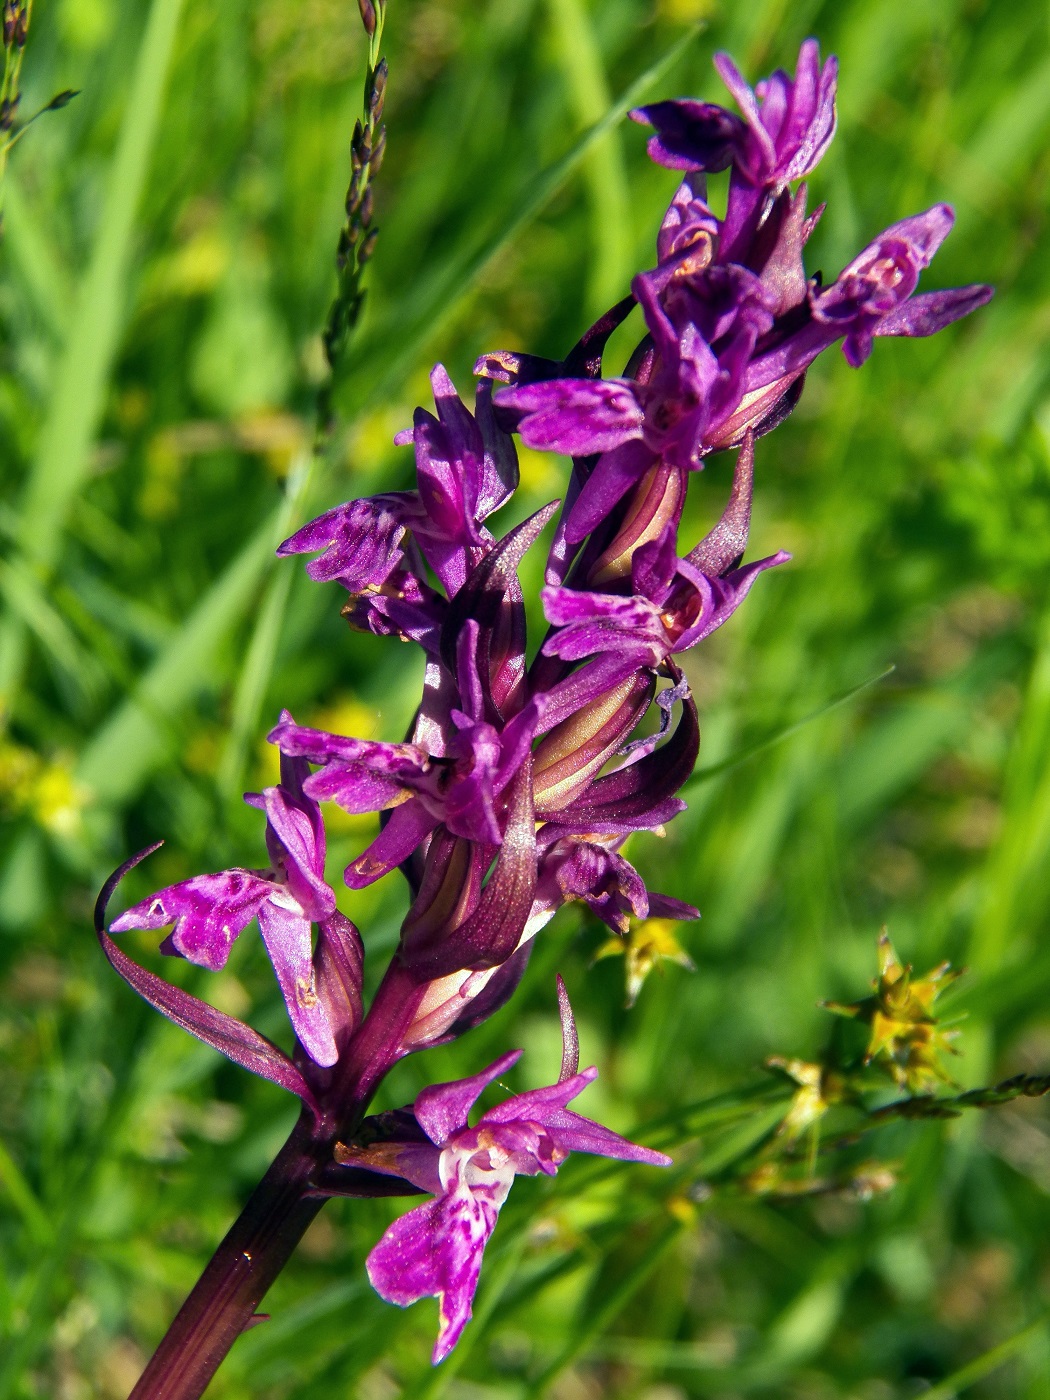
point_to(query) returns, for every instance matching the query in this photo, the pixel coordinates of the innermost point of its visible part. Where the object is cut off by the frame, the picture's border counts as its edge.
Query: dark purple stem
(263, 1237)
(255, 1250)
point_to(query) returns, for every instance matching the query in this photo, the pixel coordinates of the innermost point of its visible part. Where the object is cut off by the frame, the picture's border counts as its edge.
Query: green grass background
(165, 268)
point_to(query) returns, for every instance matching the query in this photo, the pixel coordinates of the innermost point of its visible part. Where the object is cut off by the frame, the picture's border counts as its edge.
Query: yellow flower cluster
(905, 1034)
(44, 788)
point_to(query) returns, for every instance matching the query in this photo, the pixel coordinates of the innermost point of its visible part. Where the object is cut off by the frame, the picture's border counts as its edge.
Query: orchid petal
(409, 824)
(208, 912)
(442, 1109)
(286, 934)
(574, 416)
(929, 312)
(360, 542)
(690, 135)
(238, 1042)
(435, 1251)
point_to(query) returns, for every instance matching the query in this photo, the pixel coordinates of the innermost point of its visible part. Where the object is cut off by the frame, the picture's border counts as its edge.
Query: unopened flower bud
(368, 16)
(360, 145)
(367, 247)
(375, 90)
(62, 99)
(378, 151)
(16, 24)
(657, 502)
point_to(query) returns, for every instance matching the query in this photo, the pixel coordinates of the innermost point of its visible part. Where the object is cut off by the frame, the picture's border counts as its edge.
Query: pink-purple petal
(407, 827)
(926, 313)
(613, 476)
(442, 1109)
(574, 416)
(359, 542)
(574, 1133)
(296, 823)
(208, 912)
(286, 934)
(690, 135)
(435, 1251)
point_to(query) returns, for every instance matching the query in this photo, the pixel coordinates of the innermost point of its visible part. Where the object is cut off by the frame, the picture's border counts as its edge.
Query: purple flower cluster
(520, 783)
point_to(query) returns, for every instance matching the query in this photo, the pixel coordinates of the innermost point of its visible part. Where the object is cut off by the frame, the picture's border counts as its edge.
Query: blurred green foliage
(165, 270)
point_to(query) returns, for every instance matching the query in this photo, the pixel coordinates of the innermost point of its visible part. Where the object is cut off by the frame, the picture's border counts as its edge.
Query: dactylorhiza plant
(519, 784)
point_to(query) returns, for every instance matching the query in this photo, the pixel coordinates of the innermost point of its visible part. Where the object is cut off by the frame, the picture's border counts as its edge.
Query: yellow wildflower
(649, 943)
(905, 1033)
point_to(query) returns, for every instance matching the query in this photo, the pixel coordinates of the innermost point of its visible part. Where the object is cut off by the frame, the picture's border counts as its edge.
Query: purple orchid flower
(436, 1249)
(723, 364)
(871, 297)
(878, 282)
(787, 128)
(591, 869)
(691, 135)
(691, 388)
(467, 468)
(732, 320)
(378, 547)
(675, 602)
(790, 121)
(787, 137)
(672, 419)
(209, 911)
(646, 630)
(460, 787)
(788, 124)
(689, 232)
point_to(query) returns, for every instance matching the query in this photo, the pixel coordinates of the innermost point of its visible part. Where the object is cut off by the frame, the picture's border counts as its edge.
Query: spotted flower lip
(210, 911)
(436, 1249)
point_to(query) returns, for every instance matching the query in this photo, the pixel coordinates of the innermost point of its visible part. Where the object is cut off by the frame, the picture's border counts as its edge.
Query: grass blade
(122, 754)
(601, 1318)
(61, 461)
(603, 166)
(734, 760)
(984, 1365)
